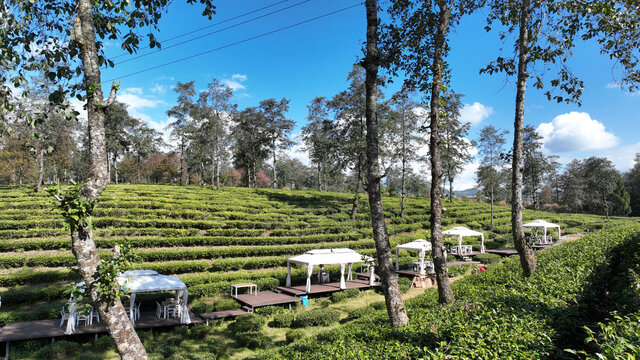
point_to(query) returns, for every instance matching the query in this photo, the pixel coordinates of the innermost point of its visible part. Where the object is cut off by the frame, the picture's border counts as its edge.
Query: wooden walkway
(222, 314)
(266, 298)
(502, 252)
(327, 288)
(38, 329)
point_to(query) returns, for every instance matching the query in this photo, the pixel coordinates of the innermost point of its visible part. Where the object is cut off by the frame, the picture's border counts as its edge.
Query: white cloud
(134, 90)
(576, 131)
(239, 77)
(159, 89)
(78, 106)
(475, 113)
(467, 178)
(623, 157)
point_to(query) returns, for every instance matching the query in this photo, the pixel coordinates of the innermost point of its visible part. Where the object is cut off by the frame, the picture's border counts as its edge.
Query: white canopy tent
(142, 281)
(419, 245)
(340, 256)
(544, 225)
(461, 231)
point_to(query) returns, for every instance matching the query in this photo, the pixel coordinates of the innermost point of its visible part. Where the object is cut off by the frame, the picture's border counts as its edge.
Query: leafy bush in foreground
(499, 313)
(316, 317)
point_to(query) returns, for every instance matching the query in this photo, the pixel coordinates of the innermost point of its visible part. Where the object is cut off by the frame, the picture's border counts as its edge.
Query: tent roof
(418, 245)
(542, 224)
(148, 281)
(329, 257)
(461, 231)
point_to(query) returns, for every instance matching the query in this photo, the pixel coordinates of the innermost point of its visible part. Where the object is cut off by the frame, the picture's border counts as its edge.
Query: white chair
(173, 310)
(136, 312)
(81, 316)
(64, 315)
(159, 310)
(95, 315)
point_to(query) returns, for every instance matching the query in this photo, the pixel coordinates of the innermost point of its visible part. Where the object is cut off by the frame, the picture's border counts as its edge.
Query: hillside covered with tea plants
(212, 238)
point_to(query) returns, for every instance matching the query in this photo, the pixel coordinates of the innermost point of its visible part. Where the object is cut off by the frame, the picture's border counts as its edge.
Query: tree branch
(112, 95)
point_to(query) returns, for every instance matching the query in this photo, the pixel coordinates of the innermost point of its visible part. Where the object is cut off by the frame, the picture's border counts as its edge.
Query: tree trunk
(217, 174)
(404, 167)
(386, 270)
(491, 205)
(527, 257)
(356, 197)
(40, 168)
(115, 167)
(450, 190)
(182, 160)
(445, 294)
(84, 249)
(274, 181)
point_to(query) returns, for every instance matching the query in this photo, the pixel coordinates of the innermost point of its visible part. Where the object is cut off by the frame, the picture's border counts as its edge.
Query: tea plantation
(212, 238)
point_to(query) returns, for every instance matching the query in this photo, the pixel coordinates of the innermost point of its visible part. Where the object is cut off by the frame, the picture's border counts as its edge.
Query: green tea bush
(253, 339)
(344, 295)
(357, 313)
(283, 320)
(316, 317)
(199, 331)
(104, 343)
(488, 258)
(404, 284)
(59, 350)
(246, 323)
(378, 305)
(269, 310)
(226, 304)
(294, 335)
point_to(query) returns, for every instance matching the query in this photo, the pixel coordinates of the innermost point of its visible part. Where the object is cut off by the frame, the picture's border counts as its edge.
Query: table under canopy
(544, 225)
(144, 281)
(342, 256)
(461, 231)
(419, 245)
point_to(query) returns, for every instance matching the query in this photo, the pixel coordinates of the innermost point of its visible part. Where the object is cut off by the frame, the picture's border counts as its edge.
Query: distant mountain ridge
(466, 193)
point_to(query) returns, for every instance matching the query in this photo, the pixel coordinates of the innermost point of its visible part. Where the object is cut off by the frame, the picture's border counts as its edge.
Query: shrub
(344, 294)
(219, 350)
(199, 332)
(201, 308)
(404, 284)
(488, 258)
(294, 335)
(269, 310)
(104, 343)
(226, 304)
(323, 303)
(378, 305)
(246, 323)
(283, 320)
(59, 350)
(253, 339)
(316, 317)
(357, 313)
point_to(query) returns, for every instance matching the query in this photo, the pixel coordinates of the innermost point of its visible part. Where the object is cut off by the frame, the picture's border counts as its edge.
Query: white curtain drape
(71, 322)
(459, 244)
(132, 302)
(309, 272)
(397, 265)
(343, 285)
(482, 243)
(288, 281)
(185, 318)
(349, 274)
(421, 261)
(372, 276)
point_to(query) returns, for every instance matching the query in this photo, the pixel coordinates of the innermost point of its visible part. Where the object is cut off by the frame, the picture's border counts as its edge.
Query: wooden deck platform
(502, 252)
(266, 298)
(327, 288)
(38, 329)
(222, 314)
(471, 254)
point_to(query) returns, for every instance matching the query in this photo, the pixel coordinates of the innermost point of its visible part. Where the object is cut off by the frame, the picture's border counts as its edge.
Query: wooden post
(6, 352)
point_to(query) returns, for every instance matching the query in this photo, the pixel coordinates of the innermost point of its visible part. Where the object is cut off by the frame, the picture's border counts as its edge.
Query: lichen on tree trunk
(118, 324)
(445, 294)
(527, 257)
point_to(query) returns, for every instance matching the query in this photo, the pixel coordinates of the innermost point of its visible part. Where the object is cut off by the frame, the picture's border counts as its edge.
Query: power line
(236, 43)
(213, 32)
(212, 25)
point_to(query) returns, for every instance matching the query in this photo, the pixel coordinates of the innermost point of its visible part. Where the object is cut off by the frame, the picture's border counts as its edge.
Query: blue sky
(313, 59)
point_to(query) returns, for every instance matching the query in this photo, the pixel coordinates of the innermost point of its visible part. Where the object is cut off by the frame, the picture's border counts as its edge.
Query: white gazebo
(341, 256)
(419, 245)
(141, 281)
(461, 231)
(544, 225)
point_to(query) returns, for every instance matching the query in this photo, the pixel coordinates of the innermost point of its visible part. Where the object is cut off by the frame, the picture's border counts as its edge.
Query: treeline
(215, 143)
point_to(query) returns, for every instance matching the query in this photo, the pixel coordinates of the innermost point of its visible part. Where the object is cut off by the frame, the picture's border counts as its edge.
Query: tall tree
(182, 115)
(277, 128)
(456, 149)
(216, 110)
(536, 166)
(395, 305)
(404, 139)
(417, 43)
(632, 184)
(321, 140)
(600, 179)
(349, 109)
(491, 145)
(620, 200)
(45, 27)
(251, 142)
(119, 126)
